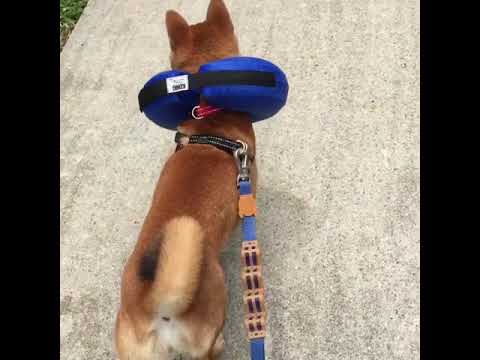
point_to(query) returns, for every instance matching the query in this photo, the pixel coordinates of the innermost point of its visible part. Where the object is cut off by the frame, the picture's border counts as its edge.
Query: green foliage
(70, 11)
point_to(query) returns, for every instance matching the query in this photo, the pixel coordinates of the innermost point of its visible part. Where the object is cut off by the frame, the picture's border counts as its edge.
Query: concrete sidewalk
(339, 189)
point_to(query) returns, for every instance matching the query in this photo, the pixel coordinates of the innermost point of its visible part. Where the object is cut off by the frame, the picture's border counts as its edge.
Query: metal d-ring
(244, 147)
(193, 113)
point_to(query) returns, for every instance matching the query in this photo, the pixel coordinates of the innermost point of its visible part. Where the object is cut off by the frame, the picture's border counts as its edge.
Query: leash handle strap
(253, 296)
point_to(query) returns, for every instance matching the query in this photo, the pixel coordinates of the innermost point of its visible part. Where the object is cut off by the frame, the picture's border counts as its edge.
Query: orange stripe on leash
(246, 206)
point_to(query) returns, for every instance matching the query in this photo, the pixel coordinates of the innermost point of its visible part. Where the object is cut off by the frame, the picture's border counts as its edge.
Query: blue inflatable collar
(245, 84)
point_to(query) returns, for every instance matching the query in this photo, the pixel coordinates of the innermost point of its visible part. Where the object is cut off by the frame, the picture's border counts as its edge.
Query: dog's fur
(173, 293)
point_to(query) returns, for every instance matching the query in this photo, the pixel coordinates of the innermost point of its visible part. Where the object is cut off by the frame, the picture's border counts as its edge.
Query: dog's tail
(176, 267)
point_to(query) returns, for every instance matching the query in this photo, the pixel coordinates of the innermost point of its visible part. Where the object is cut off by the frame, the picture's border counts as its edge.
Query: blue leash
(251, 274)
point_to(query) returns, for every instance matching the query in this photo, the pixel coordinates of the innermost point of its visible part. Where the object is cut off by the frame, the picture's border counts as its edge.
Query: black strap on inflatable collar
(213, 78)
(221, 143)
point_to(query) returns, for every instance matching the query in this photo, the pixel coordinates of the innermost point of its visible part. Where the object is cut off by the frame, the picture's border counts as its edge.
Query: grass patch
(70, 11)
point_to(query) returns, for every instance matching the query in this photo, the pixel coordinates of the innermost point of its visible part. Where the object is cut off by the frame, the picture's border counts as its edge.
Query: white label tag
(177, 83)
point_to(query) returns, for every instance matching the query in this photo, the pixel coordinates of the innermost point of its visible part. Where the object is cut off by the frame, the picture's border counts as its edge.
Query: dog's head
(194, 45)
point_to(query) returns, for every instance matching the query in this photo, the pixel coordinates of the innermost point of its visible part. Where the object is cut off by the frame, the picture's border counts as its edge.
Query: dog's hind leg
(218, 347)
(132, 344)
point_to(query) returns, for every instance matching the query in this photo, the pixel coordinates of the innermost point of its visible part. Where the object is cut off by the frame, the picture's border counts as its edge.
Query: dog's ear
(178, 30)
(217, 15)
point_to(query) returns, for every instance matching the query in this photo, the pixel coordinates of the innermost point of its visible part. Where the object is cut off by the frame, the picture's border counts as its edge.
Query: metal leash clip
(241, 159)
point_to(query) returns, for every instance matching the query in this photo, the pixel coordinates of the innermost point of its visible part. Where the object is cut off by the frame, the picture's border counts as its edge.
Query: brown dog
(173, 292)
